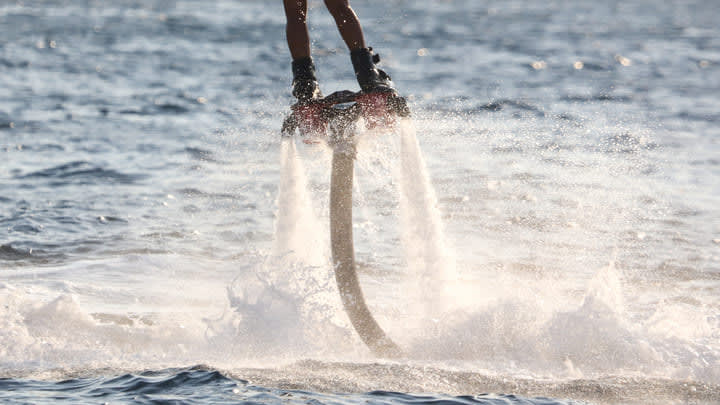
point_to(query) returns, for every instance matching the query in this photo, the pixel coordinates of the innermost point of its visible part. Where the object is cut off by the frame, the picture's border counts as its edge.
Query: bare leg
(296, 30)
(347, 23)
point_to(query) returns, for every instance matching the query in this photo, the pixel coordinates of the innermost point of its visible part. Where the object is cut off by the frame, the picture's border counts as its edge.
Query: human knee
(296, 11)
(338, 8)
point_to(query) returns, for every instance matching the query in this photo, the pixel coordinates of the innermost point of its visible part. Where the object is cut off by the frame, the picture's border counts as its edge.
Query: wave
(82, 172)
(29, 254)
(456, 384)
(193, 385)
(311, 381)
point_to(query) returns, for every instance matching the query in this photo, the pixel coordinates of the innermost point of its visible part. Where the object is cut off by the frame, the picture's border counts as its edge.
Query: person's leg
(305, 85)
(296, 29)
(368, 76)
(347, 23)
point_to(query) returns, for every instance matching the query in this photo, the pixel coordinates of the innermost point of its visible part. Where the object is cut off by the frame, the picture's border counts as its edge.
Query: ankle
(303, 68)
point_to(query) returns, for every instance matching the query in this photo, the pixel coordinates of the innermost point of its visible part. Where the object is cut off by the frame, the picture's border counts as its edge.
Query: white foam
(590, 339)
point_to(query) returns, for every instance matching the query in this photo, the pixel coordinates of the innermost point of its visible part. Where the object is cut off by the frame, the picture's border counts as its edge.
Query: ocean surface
(544, 230)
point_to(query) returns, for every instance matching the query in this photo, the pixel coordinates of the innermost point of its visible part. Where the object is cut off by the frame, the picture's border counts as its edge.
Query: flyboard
(336, 117)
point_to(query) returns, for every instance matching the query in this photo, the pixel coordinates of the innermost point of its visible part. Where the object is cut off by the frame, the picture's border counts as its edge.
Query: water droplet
(623, 60)
(539, 64)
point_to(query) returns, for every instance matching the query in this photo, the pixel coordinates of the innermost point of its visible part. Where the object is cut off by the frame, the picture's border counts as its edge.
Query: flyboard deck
(335, 115)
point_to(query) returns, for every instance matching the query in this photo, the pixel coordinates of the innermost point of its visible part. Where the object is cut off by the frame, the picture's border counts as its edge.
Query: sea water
(545, 226)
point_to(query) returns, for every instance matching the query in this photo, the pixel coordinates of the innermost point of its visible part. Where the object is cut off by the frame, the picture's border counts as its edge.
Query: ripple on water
(36, 254)
(203, 386)
(82, 172)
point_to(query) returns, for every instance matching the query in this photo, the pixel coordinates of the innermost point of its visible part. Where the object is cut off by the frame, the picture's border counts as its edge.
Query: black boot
(305, 84)
(370, 78)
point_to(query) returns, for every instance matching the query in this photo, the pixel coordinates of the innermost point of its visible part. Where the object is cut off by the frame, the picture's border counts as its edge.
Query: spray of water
(298, 231)
(287, 302)
(431, 264)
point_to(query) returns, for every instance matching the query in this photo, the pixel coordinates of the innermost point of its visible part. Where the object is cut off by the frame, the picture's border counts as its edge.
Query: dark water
(573, 149)
(202, 386)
